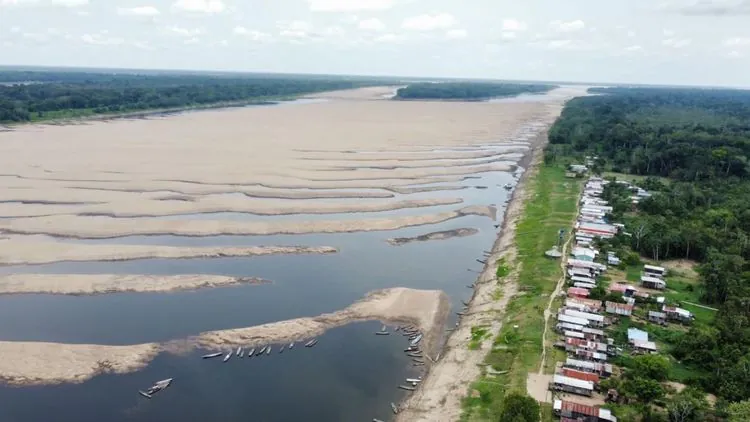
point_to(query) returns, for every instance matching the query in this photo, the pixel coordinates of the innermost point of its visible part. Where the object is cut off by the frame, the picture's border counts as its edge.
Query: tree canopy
(518, 407)
(467, 90)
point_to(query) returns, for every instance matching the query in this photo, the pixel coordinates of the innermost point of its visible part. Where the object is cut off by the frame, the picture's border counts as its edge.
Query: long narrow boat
(251, 353)
(212, 355)
(291, 345)
(263, 350)
(394, 408)
(228, 356)
(239, 350)
(412, 380)
(406, 387)
(416, 340)
(145, 394)
(381, 333)
(311, 343)
(268, 351)
(281, 350)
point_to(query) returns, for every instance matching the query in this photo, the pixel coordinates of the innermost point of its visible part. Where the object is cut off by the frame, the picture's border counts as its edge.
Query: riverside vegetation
(690, 147)
(467, 90)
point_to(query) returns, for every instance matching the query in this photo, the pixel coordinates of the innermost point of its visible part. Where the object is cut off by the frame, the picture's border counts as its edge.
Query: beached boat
(311, 343)
(413, 380)
(406, 387)
(508, 186)
(228, 356)
(394, 408)
(416, 340)
(212, 355)
(414, 354)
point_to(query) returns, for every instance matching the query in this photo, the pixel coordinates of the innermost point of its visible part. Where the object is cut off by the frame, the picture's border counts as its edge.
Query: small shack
(678, 314)
(654, 271)
(657, 317)
(644, 347)
(572, 385)
(581, 375)
(621, 309)
(578, 292)
(651, 282)
(594, 320)
(577, 412)
(603, 369)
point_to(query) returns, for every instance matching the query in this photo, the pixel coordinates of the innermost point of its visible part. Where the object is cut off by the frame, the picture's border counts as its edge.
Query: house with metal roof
(572, 385)
(678, 314)
(603, 369)
(622, 309)
(651, 282)
(569, 411)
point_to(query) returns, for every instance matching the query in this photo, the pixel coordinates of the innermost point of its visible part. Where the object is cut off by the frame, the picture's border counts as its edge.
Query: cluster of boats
(240, 352)
(414, 352)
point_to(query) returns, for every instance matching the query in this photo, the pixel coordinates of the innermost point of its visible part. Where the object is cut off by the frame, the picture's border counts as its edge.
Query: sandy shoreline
(439, 396)
(32, 250)
(92, 284)
(96, 227)
(38, 363)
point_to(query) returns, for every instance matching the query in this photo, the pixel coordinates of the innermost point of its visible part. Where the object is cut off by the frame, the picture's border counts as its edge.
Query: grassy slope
(550, 206)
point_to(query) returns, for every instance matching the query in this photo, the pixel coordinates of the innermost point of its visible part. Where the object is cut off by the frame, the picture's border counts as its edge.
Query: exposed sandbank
(107, 227)
(91, 284)
(213, 204)
(36, 363)
(31, 250)
(442, 235)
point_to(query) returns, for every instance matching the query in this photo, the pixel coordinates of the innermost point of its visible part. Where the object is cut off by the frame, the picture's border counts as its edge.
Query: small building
(622, 309)
(590, 355)
(595, 320)
(578, 292)
(572, 320)
(601, 230)
(572, 385)
(678, 314)
(584, 305)
(626, 289)
(583, 279)
(654, 271)
(657, 317)
(580, 272)
(578, 168)
(594, 267)
(587, 286)
(576, 412)
(613, 260)
(573, 344)
(583, 254)
(581, 375)
(602, 369)
(651, 282)
(635, 334)
(566, 326)
(594, 334)
(644, 347)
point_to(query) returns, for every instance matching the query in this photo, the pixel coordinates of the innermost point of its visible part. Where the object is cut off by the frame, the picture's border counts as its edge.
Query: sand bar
(24, 250)
(91, 284)
(37, 363)
(108, 227)
(441, 235)
(213, 204)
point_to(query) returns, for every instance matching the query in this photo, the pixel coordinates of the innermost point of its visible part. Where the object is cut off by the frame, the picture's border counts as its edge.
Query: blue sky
(704, 42)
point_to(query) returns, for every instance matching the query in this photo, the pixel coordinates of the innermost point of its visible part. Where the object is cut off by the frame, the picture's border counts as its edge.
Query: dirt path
(558, 288)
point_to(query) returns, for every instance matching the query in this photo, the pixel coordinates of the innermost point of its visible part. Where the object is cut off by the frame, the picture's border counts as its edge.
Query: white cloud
(558, 44)
(99, 39)
(349, 5)
(200, 6)
(138, 11)
(737, 42)
(15, 29)
(184, 32)
(634, 48)
(251, 34)
(631, 34)
(676, 43)
(429, 22)
(508, 35)
(192, 40)
(372, 24)
(389, 38)
(514, 25)
(668, 32)
(70, 3)
(734, 54)
(455, 34)
(571, 26)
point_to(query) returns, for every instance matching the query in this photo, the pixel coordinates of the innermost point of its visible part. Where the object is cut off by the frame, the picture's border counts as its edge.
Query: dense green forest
(26, 96)
(467, 90)
(693, 145)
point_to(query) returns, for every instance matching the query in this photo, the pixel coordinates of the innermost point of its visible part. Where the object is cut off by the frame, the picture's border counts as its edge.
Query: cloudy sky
(704, 42)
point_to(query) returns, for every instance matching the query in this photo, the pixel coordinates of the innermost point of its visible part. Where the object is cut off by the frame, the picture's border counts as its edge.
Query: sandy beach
(92, 284)
(37, 363)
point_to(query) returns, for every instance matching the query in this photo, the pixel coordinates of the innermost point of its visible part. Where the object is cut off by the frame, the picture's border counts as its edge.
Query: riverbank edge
(434, 401)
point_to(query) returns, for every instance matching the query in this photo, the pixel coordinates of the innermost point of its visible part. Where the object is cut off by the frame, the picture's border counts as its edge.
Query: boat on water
(228, 356)
(281, 350)
(158, 386)
(406, 387)
(251, 353)
(414, 354)
(381, 333)
(376, 420)
(268, 351)
(212, 355)
(413, 380)
(311, 343)
(263, 350)
(394, 408)
(384, 328)
(239, 351)
(508, 186)
(291, 345)
(416, 340)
